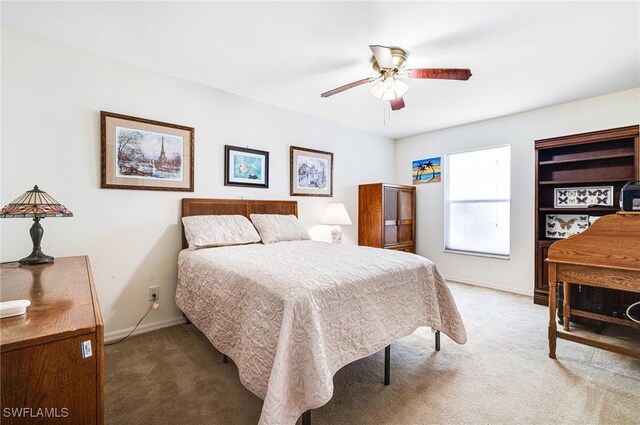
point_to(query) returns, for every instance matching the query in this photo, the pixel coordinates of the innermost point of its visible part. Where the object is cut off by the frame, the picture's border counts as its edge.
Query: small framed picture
(138, 153)
(246, 167)
(427, 170)
(311, 172)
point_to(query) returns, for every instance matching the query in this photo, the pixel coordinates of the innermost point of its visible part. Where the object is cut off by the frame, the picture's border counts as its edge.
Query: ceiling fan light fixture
(389, 88)
(401, 88)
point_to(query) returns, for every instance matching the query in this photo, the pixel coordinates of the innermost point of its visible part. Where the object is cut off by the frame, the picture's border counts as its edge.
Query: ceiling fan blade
(347, 86)
(397, 103)
(383, 56)
(441, 73)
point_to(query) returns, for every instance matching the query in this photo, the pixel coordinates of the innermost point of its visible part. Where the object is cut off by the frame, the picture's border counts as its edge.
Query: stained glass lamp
(35, 204)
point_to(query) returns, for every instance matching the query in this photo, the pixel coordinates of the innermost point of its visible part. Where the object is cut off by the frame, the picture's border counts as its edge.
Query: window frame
(447, 203)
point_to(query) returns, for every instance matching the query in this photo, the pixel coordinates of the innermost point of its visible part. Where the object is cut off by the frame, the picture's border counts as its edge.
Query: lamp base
(36, 257)
(336, 234)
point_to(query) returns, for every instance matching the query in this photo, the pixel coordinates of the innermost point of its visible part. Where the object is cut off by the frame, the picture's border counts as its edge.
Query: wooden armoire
(387, 216)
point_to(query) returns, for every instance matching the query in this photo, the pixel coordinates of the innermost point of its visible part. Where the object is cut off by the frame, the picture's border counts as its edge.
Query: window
(477, 201)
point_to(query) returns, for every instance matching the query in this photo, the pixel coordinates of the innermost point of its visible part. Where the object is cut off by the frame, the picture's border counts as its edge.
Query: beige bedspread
(291, 314)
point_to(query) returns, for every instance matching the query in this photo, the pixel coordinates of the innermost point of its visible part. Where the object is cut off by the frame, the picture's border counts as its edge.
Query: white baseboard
(490, 286)
(148, 327)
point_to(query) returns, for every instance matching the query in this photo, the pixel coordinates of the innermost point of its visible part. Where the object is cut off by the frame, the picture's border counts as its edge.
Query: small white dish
(13, 308)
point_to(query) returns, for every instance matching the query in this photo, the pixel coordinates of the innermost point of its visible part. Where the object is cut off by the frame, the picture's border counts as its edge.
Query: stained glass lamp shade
(35, 204)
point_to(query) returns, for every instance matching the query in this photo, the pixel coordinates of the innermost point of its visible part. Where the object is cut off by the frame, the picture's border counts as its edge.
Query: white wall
(520, 131)
(51, 98)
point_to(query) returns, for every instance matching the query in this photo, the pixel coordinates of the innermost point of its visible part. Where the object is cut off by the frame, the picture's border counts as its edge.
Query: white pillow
(277, 228)
(204, 231)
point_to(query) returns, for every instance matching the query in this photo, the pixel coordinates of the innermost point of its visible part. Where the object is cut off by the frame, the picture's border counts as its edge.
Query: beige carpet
(501, 376)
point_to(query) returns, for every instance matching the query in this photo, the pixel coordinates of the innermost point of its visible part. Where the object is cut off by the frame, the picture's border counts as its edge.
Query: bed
(291, 314)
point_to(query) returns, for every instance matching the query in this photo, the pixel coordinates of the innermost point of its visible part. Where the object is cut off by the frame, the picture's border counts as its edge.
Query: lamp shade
(335, 214)
(34, 203)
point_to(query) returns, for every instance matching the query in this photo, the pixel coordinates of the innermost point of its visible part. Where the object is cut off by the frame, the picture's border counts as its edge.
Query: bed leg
(437, 340)
(387, 364)
(306, 418)
(188, 322)
(225, 358)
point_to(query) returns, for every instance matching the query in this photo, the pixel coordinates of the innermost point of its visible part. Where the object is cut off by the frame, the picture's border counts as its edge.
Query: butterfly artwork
(561, 226)
(583, 197)
(566, 224)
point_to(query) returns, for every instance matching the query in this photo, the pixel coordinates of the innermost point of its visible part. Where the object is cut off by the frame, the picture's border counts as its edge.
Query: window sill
(478, 254)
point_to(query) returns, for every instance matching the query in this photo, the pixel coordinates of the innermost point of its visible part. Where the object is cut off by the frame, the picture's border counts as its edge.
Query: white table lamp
(335, 214)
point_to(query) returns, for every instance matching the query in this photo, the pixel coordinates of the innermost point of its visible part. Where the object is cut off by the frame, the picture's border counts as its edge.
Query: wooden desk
(43, 366)
(606, 255)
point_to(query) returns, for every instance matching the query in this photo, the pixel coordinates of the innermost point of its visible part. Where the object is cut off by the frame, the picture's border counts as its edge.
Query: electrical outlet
(154, 290)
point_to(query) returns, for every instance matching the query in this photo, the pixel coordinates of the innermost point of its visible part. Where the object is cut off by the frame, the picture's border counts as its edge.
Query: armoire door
(391, 210)
(405, 216)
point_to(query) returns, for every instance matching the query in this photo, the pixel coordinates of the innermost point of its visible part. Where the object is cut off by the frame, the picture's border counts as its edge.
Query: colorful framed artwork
(246, 167)
(138, 153)
(311, 172)
(583, 197)
(427, 170)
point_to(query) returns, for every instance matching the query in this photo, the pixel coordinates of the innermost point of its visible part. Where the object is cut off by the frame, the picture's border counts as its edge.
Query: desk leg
(566, 305)
(552, 310)
(387, 364)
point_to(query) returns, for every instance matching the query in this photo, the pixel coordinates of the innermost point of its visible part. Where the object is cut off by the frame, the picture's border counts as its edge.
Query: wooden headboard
(198, 206)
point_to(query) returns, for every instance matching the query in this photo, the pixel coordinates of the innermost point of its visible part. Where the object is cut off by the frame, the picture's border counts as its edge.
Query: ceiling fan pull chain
(386, 112)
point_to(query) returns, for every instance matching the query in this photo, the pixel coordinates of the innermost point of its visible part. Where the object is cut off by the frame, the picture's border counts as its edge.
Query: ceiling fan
(389, 63)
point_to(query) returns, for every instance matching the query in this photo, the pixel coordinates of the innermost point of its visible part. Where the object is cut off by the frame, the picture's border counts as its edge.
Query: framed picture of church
(139, 153)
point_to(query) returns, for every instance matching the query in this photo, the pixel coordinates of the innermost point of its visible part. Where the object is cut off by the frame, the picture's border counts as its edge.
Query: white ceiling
(523, 55)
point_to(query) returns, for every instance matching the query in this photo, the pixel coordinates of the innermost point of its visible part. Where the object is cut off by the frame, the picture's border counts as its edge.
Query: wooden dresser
(387, 216)
(47, 376)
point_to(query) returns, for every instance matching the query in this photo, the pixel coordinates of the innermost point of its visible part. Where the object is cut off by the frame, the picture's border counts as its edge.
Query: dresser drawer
(50, 383)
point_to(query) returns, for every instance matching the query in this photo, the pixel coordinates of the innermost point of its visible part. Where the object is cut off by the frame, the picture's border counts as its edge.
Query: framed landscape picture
(427, 170)
(311, 172)
(138, 153)
(246, 167)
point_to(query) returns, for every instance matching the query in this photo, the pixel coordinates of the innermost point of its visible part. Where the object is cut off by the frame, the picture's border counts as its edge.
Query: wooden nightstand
(47, 376)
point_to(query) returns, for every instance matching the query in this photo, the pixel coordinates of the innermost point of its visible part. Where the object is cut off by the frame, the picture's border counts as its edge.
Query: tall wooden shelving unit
(600, 158)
